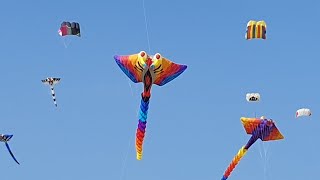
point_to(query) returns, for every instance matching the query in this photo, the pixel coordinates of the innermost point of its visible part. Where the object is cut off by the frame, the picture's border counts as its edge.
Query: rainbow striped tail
(234, 162)
(141, 130)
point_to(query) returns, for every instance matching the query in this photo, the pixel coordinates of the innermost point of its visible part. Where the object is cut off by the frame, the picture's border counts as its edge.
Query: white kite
(253, 97)
(303, 112)
(51, 82)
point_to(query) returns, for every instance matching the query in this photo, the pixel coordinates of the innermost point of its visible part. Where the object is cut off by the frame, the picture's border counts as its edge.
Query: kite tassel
(234, 162)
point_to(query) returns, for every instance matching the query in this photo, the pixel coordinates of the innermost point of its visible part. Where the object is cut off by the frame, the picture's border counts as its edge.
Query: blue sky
(194, 127)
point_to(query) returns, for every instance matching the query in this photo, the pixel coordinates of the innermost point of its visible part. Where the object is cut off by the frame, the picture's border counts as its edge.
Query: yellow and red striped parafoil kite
(256, 29)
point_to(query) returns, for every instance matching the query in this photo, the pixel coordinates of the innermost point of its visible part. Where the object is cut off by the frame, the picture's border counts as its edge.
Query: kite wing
(45, 81)
(11, 153)
(165, 70)
(250, 124)
(56, 80)
(274, 134)
(5, 137)
(131, 66)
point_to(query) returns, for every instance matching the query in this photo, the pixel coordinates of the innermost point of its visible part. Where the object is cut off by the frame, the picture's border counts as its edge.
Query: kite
(5, 138)
(149, 70)
(253, 97)
(303, 112)
(264, 129)
(69, 28)
(51, 82)
(256, 30)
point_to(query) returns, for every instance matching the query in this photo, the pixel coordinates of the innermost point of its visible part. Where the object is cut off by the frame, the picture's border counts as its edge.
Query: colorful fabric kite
(69, 28)
(256, 30)
(264, 129)
(5, 138)
(149, 70)
(51, 82)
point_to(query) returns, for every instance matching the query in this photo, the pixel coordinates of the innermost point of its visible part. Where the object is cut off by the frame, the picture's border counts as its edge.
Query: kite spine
(143, 113)
(234, 162)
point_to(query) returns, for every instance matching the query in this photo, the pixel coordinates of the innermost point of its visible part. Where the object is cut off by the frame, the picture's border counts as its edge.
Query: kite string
(66, 42)
(124, 162)
(266, 158)
(146, 23)
(148, 40)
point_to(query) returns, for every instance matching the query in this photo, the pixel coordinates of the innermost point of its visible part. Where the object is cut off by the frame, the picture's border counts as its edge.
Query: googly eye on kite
(142, 54)
(157, 56)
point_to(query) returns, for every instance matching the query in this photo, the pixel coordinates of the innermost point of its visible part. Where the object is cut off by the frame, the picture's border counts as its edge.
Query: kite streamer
(234, 162)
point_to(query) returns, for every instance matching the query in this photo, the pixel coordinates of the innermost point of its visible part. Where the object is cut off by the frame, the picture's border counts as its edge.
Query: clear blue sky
(194, 127)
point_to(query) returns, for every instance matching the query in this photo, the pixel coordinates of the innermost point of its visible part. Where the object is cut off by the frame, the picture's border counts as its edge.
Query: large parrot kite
(148, 70)
(5, 138)
(264, 129)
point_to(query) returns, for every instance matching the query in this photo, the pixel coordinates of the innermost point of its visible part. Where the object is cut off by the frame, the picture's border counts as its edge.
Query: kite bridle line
(263, 152)
(146, 24)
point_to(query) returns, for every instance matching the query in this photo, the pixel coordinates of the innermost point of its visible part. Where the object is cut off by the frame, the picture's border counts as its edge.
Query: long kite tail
(234, 162)
(11, 153)
(143, 112)
(53, 96)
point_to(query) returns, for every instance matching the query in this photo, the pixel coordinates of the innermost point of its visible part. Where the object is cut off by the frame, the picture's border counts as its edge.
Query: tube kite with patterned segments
(148, 70)
(264, 129)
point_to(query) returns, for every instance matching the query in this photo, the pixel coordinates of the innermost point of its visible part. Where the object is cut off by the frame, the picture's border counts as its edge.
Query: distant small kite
(51, 82)
(256, 30)
(5, 138)
(253, 97)
(69, 28)
(264, 129)
(303, 112)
